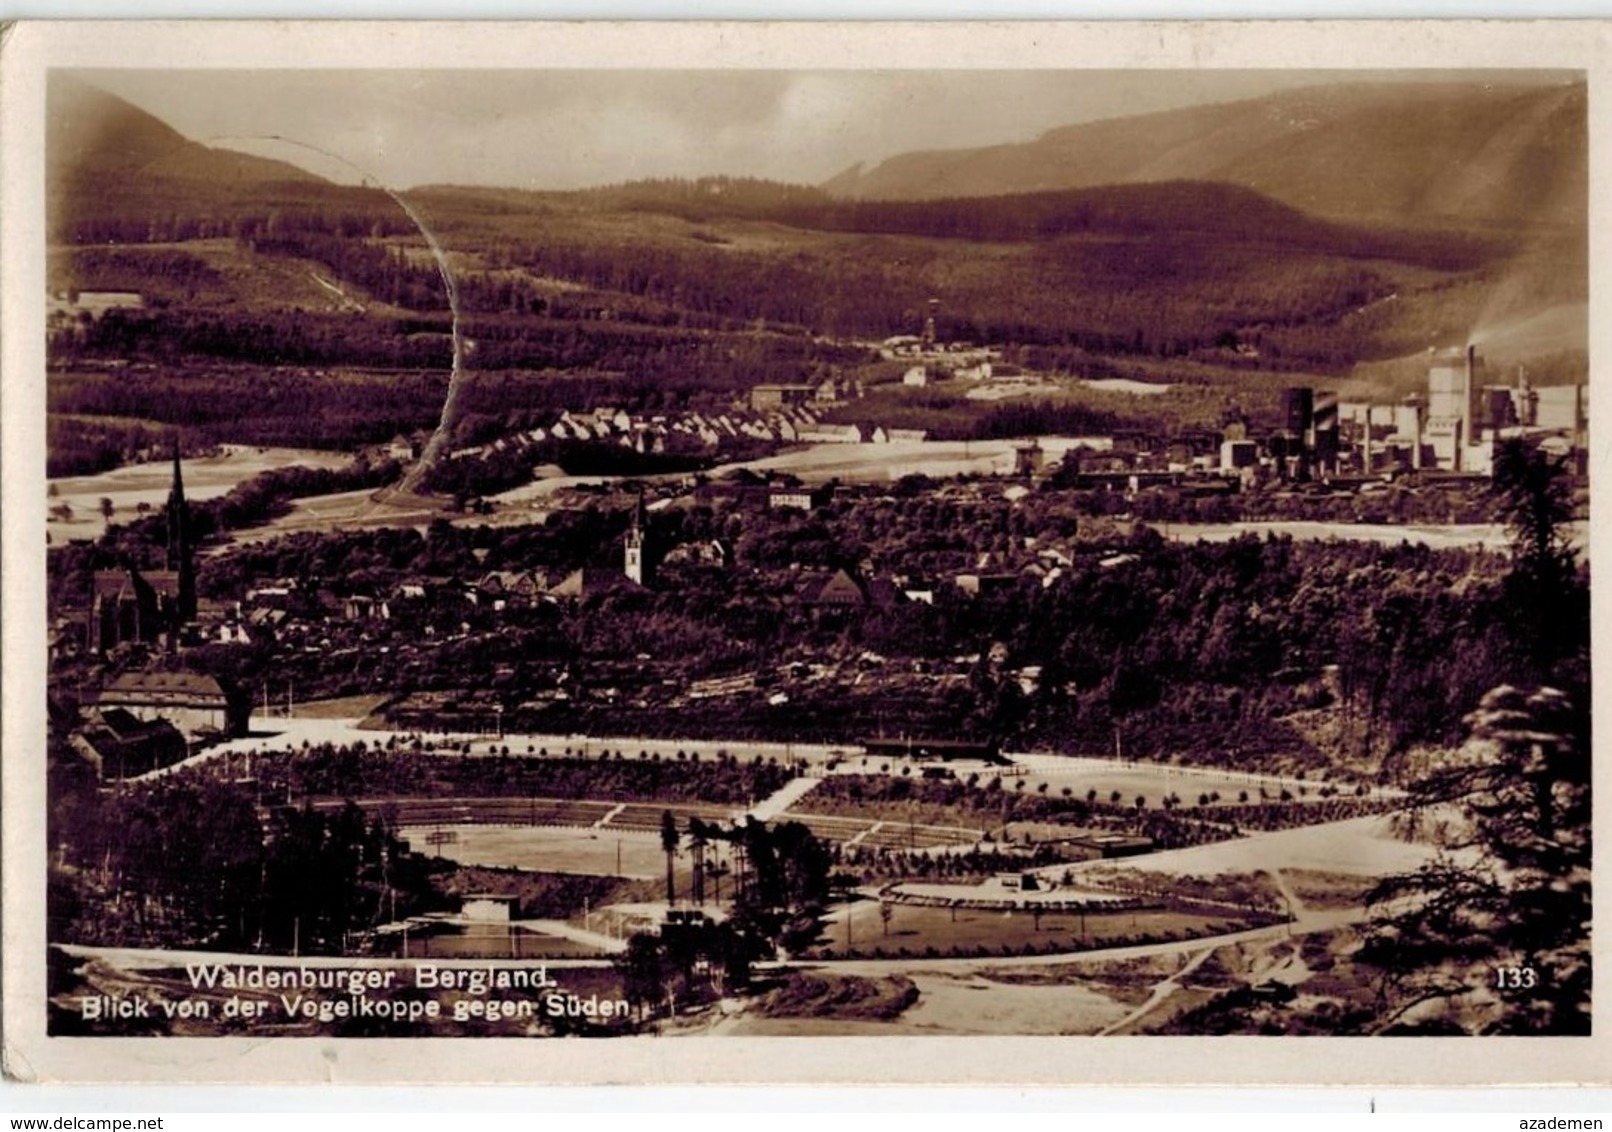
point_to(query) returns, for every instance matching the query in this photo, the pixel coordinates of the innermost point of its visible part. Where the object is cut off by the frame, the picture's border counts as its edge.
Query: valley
(1078, 586)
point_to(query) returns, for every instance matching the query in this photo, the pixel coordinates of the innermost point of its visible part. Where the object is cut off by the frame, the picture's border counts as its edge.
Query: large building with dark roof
(128, 606)
(201, 707)
(120, 745)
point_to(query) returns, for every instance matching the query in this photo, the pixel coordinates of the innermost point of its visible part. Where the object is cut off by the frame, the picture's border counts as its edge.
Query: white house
(487, 907)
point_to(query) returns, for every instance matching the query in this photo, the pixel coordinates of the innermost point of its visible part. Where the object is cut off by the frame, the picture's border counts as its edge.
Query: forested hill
(94, 135)
(649, 277)
(1475, 153)
(120, 175)
(1180, 208)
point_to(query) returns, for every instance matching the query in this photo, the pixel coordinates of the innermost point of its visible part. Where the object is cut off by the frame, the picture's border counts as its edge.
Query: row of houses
(284, 603)
(770, 420)
(861, 434)
(693, 431)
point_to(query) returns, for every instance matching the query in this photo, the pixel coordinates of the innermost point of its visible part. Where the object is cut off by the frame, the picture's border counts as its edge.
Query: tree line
(193, 861)
(779, 886)
(372, 771)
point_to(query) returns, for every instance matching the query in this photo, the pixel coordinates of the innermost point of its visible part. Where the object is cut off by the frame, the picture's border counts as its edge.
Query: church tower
(179, 549)
(637, 564)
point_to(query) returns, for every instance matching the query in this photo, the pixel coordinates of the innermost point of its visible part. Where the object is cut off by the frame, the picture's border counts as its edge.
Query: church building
(132, 605)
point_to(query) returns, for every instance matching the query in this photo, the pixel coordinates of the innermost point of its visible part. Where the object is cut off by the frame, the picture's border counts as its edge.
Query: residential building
(199, 706)
(778, 396)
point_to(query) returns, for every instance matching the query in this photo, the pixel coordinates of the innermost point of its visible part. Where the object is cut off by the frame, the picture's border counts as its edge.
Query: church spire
(637, 565)
(179, 549)
(176, 515)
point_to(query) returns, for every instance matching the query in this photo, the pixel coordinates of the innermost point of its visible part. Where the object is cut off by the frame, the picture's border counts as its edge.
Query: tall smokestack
(1466, 426)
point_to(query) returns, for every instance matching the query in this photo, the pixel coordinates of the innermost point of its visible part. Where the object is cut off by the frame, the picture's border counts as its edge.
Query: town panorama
(1129, 581)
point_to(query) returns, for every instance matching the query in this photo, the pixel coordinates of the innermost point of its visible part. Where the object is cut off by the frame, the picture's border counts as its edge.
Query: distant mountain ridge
(1154, 267)
(1428, 153)
(1165, 209)
(117, 174)
(91, 134)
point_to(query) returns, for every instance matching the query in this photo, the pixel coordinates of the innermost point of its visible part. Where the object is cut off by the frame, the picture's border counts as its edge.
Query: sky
(571, 129)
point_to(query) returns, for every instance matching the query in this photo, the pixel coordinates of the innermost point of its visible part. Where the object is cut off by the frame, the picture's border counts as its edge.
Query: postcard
(814, 553)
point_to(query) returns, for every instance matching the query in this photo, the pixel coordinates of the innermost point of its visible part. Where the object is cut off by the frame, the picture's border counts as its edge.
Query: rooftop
(187, 683)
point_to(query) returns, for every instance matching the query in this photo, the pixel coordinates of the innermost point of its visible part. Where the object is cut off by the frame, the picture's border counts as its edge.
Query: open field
(585, 852)
(875, 834)
(590, 852)
(205, 478)
(918, 929)
(1153, 781)
(1363, 847)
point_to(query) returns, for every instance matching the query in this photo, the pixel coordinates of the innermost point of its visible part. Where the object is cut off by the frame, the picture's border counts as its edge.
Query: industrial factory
(1454, 428)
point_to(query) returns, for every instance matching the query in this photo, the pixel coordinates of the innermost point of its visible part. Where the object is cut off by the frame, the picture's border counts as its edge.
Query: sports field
(489, 941)
(1004, 932)
(584, 851)
(1153, 781)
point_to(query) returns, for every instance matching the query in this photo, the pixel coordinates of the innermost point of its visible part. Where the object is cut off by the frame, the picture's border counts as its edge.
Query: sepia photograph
(688, 551)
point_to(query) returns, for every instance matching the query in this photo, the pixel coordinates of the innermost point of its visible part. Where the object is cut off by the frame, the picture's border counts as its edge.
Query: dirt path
(1161, 991)
(560, 928)
(790, 793)
(1327, 921)
(1295, 906)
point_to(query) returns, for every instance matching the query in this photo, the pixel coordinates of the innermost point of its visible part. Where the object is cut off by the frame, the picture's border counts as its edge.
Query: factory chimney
(1466, 424)
(1419, 412)
(1365, 455)
(1471, 387)
(929, 324)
